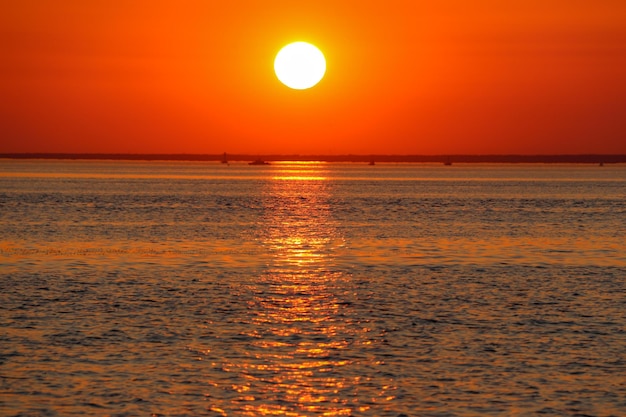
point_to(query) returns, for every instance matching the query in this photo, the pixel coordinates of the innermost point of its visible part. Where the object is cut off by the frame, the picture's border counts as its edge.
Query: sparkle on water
(311, 289)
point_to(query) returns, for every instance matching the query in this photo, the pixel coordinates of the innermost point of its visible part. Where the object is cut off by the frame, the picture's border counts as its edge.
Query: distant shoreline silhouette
(599, 159)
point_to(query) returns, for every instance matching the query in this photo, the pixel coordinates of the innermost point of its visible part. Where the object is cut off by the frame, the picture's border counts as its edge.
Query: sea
(132, 288)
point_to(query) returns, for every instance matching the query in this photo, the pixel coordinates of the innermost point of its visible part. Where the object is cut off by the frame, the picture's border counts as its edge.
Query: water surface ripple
(195, 289)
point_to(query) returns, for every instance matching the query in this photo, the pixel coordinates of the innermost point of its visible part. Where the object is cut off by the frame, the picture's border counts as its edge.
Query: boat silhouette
(258, 162)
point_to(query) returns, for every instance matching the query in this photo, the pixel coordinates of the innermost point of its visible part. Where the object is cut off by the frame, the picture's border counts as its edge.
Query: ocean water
(311, 289)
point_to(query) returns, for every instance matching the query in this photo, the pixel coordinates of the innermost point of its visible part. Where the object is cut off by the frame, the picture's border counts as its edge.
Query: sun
(300, 65)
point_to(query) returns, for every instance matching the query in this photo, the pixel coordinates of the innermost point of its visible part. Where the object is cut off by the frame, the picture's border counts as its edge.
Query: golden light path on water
(297, 364)
(311, 289)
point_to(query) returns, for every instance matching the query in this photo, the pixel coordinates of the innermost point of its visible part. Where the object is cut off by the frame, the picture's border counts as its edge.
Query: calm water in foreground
(201, 289)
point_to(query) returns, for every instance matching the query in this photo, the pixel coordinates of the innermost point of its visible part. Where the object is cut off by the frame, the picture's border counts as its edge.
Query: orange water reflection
(300, 329)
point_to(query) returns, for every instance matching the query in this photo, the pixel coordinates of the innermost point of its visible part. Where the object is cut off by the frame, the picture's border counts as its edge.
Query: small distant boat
(372, 163)
(258, 162)
(601, 164)
(447, 162)
(224, 159)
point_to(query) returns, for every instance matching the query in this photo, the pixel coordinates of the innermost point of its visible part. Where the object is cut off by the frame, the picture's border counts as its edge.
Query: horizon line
(442, 158)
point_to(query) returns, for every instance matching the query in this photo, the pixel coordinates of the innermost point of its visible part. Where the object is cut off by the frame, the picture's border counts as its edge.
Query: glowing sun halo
(300, 65)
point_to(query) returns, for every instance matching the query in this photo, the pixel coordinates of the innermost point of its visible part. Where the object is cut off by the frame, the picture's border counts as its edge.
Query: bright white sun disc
(300, 65)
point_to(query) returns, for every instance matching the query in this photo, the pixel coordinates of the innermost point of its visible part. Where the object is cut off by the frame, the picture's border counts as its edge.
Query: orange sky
(403, 77)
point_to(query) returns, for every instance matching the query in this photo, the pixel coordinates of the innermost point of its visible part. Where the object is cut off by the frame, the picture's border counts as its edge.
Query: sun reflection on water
(296, 364)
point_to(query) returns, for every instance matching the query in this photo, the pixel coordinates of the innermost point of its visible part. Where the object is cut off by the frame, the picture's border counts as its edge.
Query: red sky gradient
(403, 77)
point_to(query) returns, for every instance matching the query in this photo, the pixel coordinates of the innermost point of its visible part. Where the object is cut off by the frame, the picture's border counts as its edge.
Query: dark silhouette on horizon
(446, 159)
